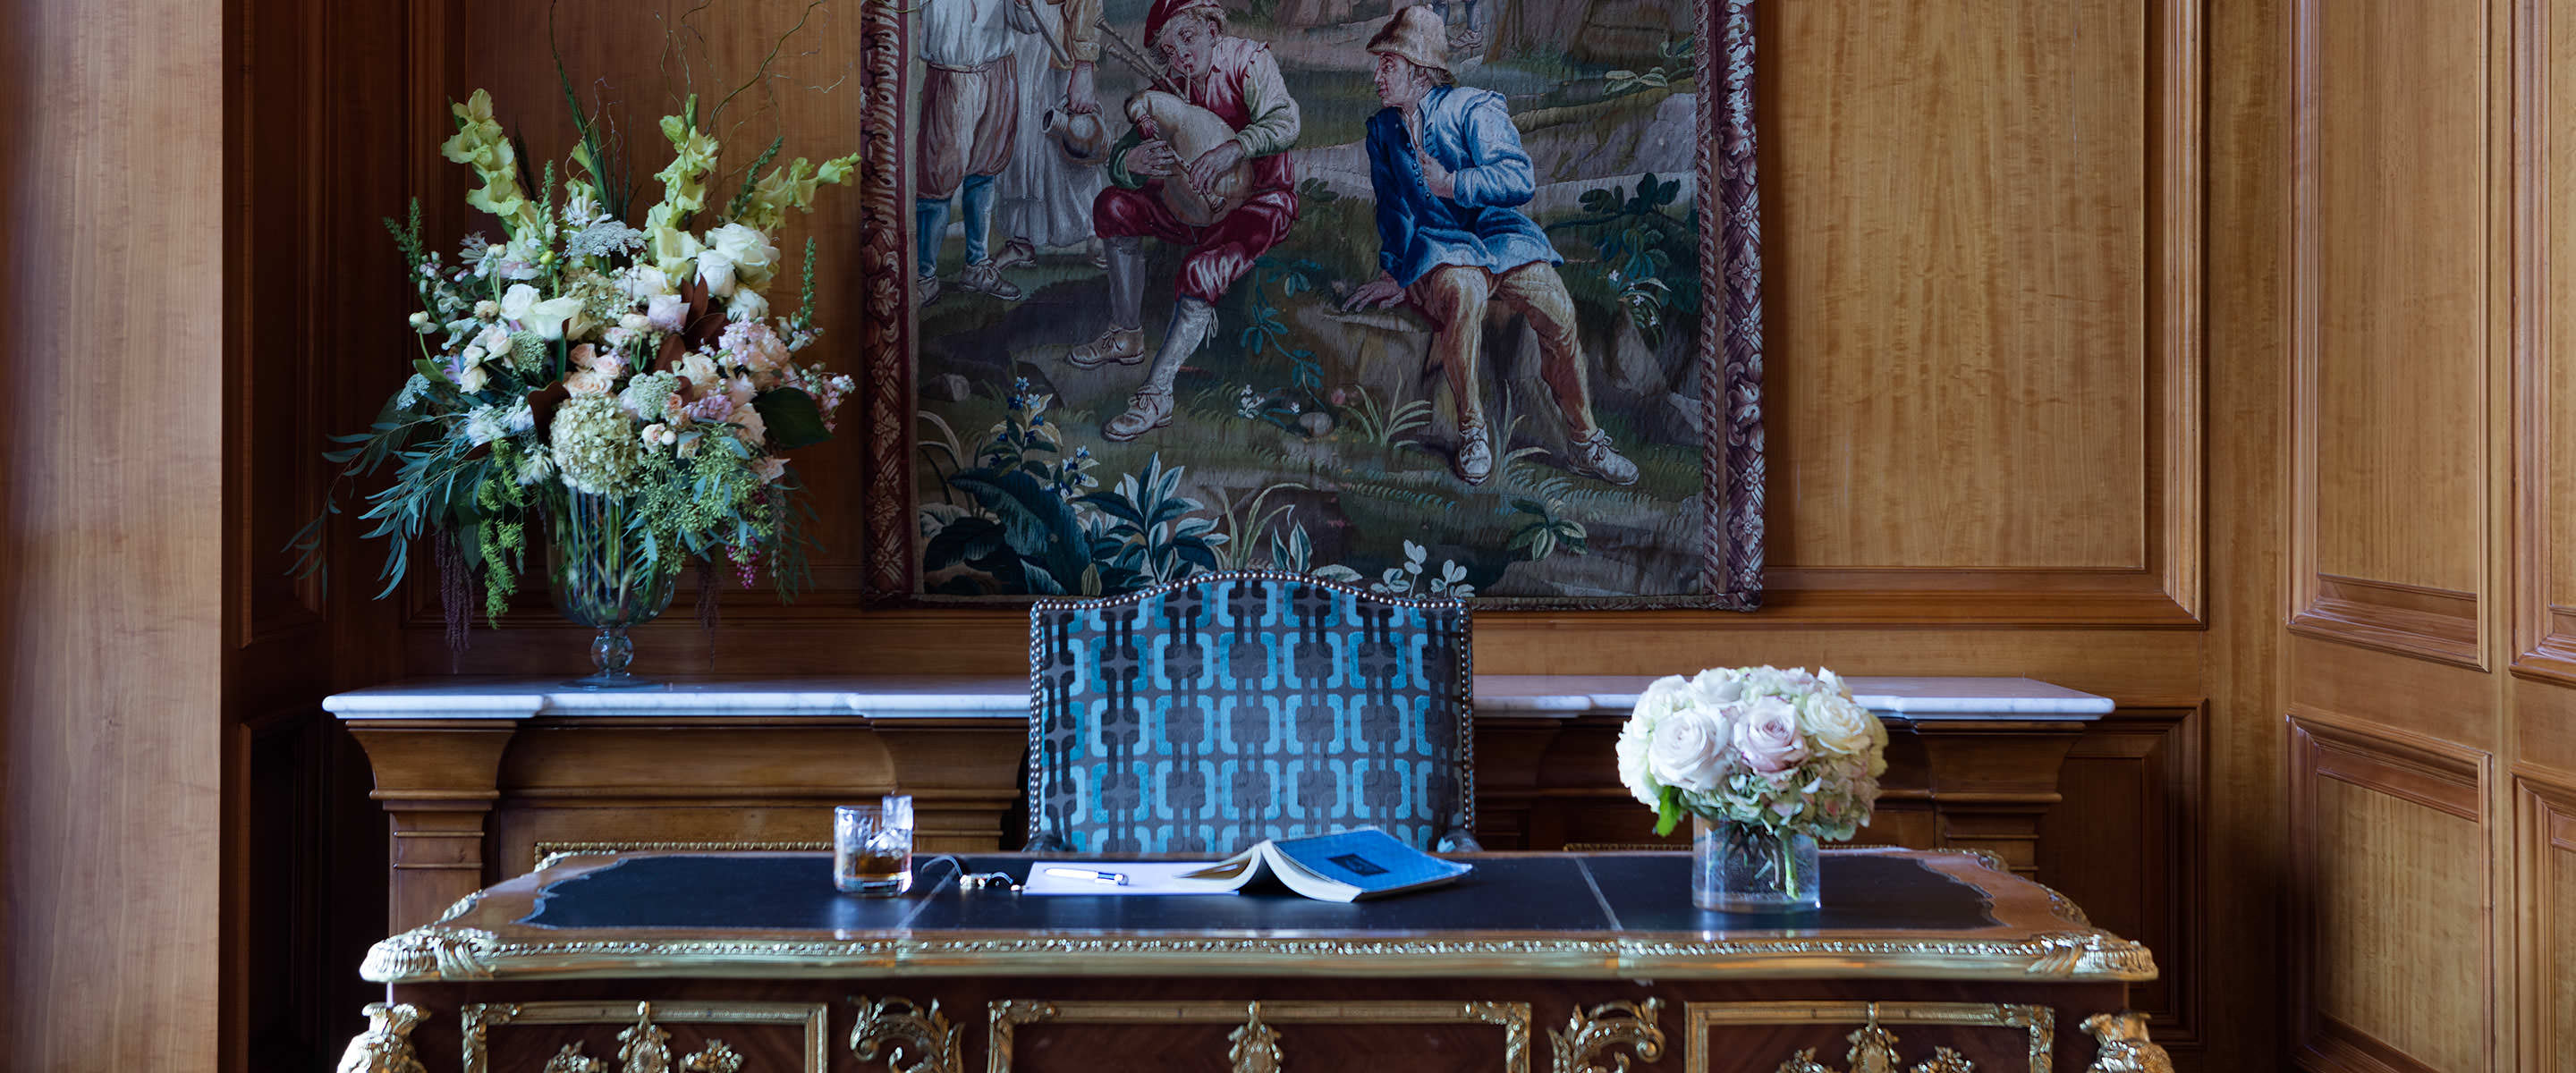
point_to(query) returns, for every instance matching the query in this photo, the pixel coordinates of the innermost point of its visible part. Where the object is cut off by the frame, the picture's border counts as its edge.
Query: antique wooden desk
(483, 777)
(1933, 961)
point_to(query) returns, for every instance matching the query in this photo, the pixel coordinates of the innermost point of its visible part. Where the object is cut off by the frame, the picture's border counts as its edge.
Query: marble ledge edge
(466, 706)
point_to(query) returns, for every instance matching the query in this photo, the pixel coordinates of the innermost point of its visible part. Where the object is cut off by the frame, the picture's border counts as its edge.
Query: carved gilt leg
(385, 1047)
(2121, 1045)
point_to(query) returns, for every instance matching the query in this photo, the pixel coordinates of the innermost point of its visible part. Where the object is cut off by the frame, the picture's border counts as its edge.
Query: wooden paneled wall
(2427, 665)
(112, 646)
(2025, 400)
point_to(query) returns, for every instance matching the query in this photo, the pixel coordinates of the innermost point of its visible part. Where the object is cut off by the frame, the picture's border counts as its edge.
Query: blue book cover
(1367, 860)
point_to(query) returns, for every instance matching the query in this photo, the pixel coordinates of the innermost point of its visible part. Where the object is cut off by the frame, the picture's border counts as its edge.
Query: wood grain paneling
(2390, 325)
(1918, 173)
(2391, 917)
(112, 568)
(2237, 904)
(2545, 863)
(2544, 384)
(1967, 202)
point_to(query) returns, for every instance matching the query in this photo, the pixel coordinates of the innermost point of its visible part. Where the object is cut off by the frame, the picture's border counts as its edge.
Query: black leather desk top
(1604, 894)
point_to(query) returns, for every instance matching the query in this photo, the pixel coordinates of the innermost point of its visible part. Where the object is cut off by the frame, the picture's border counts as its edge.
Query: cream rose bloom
(1837, 725)
(589, 383)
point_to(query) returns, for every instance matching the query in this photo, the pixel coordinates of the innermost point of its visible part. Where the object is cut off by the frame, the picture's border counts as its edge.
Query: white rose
(1836, 725)
(749, 251)
(1688, 752)
(517, 301)
(590, 382)
(645, 281)
(1715, 688)
(716, 271)
(747, 304)
(1658, 701)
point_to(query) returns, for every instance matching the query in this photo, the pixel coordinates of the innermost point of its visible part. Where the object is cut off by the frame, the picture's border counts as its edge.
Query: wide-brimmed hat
(1418, 34)
(1163, 10)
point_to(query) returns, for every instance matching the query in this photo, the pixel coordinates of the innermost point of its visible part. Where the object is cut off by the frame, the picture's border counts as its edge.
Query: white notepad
(1142, 877)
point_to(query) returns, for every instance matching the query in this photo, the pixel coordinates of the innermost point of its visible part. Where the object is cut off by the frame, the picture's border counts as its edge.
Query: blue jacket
(1470, 132)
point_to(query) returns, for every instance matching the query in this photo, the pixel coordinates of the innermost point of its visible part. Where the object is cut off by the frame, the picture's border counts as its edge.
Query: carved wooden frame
(1009, 1014)
(2545, 829)
(2411, 767)
(1730, 329)
(2434, 624)
(475, 1020)
(2038, 1022)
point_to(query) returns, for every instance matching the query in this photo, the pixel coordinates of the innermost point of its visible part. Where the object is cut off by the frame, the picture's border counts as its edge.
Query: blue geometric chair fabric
(1204, 715)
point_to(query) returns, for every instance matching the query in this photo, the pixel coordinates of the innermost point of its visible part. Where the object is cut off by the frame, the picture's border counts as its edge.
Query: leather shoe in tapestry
(1592, 456)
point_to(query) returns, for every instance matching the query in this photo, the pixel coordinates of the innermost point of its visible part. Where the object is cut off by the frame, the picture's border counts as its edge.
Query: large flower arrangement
(1785, 751)
(580, 355)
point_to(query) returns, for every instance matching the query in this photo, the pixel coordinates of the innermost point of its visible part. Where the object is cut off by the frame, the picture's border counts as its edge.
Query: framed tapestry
(1457, 297)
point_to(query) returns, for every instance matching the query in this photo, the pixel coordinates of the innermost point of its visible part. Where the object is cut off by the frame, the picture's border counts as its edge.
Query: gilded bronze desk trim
(2039, 940)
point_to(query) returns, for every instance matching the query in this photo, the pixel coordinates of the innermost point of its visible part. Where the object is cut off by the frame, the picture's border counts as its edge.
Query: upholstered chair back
(1204, 715)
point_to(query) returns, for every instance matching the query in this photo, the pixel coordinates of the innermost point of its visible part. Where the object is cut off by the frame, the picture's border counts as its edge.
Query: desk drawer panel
(1048, 1036)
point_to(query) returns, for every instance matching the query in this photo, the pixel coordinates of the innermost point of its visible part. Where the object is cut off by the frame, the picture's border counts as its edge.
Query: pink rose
(1766, 735)
(666, 312)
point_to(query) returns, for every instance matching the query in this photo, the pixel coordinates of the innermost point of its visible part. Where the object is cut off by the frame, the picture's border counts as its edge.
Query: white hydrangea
(595, 446)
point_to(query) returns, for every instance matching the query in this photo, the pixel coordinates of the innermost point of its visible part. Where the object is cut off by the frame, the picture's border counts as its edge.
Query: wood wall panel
(2401, 277)
(2544, 387)
(111, 559)
(1986, 244)
(2397, 946)
(2390, 320)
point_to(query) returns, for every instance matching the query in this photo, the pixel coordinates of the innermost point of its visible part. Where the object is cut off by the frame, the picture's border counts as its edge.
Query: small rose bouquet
(1785, 751)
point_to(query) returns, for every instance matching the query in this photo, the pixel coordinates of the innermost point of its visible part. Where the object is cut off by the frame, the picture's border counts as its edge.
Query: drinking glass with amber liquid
(872, 847)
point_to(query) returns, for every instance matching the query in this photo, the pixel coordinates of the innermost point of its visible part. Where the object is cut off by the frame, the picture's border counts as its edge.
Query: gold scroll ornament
(899, 1029)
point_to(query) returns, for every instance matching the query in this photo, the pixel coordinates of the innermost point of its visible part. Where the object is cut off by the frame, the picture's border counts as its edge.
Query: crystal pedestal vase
(603, 578)
(1741, 868)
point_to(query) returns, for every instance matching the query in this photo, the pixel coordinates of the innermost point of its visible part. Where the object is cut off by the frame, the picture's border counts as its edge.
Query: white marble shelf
(1560, 696)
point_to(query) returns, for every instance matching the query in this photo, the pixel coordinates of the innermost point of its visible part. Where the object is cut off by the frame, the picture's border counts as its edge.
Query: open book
(1344, 866)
